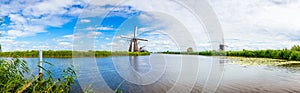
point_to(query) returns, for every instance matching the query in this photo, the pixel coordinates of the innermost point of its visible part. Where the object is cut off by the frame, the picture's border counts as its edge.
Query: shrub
(13, 80)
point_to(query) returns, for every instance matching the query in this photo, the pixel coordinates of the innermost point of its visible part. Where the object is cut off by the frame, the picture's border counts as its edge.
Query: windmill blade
(141, 39)
(135, 31)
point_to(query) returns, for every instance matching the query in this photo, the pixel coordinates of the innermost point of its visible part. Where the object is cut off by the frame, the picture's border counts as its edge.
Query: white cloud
(99, 28)
(256, 24)
(7, 41)
(17, 19)
(64, 43)
(92, 34)
(171, 19)
(28, 18)
(246, 24)
(52, 7)
(69, 37)
(25, 31)
(85, 21)
(31, 17)
(259, 24)
(54, 21)
(112, 44)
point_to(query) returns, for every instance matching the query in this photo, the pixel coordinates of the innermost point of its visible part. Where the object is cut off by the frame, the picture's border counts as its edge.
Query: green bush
(296, 48)
(68, 54)
(13, 80)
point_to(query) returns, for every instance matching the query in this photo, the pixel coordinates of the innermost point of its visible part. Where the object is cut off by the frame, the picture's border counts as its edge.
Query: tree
(296, 48)
(190, 49)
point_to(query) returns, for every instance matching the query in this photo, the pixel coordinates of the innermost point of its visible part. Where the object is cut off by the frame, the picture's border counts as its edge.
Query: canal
(160, 73)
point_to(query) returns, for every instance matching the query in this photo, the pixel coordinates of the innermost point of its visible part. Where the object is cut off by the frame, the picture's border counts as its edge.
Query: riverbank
(281, 58)
(70, 54)
(263, 61)
(285, 54)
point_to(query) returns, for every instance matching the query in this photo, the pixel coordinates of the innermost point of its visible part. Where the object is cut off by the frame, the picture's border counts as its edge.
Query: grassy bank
(70, 54)
(280, 58)
(293, 66)
(275, 54)
(13, 79)
(292, 54)
(264, 61)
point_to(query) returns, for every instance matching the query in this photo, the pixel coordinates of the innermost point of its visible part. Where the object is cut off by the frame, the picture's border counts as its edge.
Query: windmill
(133, 47)
(222, 45)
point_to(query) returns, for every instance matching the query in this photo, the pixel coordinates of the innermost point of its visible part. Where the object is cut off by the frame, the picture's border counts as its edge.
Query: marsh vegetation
(70, 54)
(16, 77)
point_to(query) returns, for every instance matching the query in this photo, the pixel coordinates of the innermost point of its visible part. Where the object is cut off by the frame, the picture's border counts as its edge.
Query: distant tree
(296, 48)
(189, 49)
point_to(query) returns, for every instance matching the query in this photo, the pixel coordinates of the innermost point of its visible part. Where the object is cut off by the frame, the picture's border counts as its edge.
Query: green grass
(261, 61)
(13, 80)
(246, 61)
(275, 54)
(206, 53)
(284, 57)
(70, 54)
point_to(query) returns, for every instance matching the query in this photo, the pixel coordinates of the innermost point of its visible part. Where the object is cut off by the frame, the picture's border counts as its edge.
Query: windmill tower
(133, 47)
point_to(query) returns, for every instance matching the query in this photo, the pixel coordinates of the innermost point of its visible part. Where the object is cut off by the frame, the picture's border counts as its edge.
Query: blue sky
(50, 24)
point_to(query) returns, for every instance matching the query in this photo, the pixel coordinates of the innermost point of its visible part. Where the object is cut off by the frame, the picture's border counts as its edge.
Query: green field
(70, 54)
(286, 54)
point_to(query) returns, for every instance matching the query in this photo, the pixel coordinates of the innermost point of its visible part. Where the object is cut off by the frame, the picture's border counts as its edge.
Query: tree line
(287, 54)
(69, 54)
(276, 54)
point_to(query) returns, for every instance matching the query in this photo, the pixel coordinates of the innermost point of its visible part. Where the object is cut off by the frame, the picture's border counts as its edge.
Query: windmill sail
(135, 32)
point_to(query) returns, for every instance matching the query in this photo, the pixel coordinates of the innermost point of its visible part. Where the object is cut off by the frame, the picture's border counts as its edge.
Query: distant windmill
(222, 46)
(134, 41)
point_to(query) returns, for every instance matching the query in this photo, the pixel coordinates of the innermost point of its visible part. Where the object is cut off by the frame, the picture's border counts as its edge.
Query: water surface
(159, 73)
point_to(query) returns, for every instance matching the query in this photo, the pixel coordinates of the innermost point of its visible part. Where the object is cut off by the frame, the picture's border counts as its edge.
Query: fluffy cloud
(51, 7)
(246, 24)
(85, 20)
(25, 31)
(259, 24)
(173, 20)
(99, 28)
(28, 18)
(93, 34)
(255, 24)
